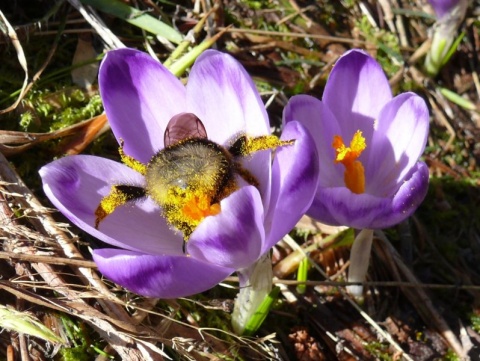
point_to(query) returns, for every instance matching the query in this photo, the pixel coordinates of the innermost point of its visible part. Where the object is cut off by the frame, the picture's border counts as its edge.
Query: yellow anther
(354, 175)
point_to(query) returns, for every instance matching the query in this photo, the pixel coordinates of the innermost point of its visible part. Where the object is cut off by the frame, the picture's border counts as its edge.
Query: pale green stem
(359, 260)
(443, 38)
(255, 285)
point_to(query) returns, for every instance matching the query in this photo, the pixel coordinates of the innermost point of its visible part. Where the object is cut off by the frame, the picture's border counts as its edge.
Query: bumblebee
(190, 176)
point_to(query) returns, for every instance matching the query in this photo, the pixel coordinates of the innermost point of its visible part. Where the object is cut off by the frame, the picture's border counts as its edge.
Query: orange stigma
(354, 175)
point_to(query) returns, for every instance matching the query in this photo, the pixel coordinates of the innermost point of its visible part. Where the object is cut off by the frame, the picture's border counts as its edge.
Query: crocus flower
(140, 97)
(368, 144)
(358, 124)
(450, 13)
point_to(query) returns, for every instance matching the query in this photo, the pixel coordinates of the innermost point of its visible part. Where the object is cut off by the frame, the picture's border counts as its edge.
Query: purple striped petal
(224, 97)
(235, 236)
(140, 96)
(339, 206)
(158, 276)
(76, 185)
(295, 176)
(397, 143)
(322, 124)
(356, 91)
(443, 7)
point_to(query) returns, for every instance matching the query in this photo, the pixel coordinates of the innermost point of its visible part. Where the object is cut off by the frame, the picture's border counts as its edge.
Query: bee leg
(246, 175)
(130, 161)
(118, 196)
(245, 146)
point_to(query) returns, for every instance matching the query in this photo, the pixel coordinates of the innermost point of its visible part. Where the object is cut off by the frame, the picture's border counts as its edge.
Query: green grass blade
(180, 66)
(137, 18)
(302, 275)
(23, 322)
(457, 99)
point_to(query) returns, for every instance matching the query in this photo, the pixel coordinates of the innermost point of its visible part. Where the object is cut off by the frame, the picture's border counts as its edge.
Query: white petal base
(255, 285)
(359, 261)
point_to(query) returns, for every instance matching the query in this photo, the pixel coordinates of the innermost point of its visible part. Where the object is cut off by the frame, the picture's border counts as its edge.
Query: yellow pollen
(198, 207)
(186, 208)
(108, 204)
(354, 175)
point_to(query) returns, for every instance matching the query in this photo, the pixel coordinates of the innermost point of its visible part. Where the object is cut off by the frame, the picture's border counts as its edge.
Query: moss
(388, 54)
(45, 111)
(84, 341)
(379, 350)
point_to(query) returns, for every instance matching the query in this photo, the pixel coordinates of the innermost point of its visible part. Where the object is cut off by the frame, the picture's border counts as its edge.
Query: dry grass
(422, 293)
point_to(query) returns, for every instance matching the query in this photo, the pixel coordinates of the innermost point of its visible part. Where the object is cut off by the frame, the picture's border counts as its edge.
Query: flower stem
(255, 285)
(359, 260)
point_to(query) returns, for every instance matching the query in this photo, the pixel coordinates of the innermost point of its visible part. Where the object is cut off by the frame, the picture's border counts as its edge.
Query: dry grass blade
(12, 35)
(14, 142)
(423, 298)
(420, 299)
(74, 304)
(110, 39)
(348, 298)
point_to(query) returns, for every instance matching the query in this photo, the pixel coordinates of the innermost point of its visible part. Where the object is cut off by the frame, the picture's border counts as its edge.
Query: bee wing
(183, 126)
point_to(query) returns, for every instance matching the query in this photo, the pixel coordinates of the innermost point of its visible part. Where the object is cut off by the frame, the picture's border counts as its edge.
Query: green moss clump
(388, 46)
(46, 111)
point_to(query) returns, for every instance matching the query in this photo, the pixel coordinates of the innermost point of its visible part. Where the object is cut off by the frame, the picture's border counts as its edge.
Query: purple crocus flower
(450, 14)
(140, 97)
(368, 143)
(444, 7)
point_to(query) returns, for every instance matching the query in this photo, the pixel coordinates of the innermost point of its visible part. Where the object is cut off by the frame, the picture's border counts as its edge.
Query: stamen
(354, 175)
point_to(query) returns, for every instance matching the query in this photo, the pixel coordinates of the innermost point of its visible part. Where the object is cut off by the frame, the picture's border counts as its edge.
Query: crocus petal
(397, 143)
(407, 199)
(339, 206)
(224, 97)
(76, 185)
(235, 236)
(140, 96)
(322, 124)
(443, 7)
(295, 175)
(158, 276)
(356, 91)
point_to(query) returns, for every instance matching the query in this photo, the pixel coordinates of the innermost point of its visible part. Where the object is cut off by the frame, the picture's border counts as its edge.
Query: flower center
(186, 208)
(188, 180)
(198, 207)
(354, 175)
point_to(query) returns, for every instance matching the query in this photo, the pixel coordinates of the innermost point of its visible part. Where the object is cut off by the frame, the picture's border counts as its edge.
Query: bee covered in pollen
(190, 176)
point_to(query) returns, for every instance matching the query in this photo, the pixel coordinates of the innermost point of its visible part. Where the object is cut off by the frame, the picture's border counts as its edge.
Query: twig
(295, 35)
(47, 259)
